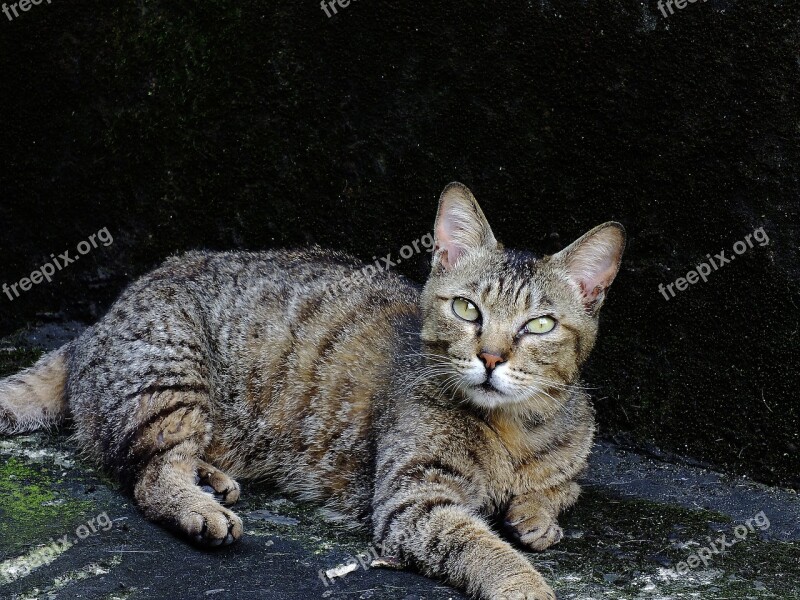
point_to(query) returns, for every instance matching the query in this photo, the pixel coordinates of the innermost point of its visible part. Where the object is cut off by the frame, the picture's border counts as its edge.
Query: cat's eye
(465, 309)
(540, 325)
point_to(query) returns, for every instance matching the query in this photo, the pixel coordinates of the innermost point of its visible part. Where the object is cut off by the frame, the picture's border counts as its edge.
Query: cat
(422, 415)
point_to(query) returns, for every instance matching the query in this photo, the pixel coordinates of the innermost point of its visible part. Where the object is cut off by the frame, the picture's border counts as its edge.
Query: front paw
(525, 587)
(535, 529)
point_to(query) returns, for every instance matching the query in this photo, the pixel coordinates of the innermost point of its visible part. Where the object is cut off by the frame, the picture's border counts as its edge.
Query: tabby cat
(420, 415)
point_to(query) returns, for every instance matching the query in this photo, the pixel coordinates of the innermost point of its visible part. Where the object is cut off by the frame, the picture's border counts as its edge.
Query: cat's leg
(532, 518)
(169, 445)
(434, 528)
(166, 493)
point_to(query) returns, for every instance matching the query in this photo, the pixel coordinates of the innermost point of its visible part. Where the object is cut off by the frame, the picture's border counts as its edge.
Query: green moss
(625, 547)
(31, 509)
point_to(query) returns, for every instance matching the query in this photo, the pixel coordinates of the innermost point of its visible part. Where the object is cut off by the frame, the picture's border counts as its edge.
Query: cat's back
(287, 303)
(295, 295)
(222, 286)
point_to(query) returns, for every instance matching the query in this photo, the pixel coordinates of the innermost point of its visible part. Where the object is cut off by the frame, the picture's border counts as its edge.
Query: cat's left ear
(460, 226)
(592, 261)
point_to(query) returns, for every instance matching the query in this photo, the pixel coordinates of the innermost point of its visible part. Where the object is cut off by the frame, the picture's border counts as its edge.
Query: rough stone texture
(247, 124)
(621, 540)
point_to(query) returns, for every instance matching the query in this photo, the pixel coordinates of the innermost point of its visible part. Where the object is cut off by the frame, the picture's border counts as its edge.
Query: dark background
(243, 124)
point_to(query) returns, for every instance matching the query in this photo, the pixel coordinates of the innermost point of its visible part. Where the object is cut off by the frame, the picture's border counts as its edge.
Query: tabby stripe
(340, 328)
(125, 444)
(577, 337)
(336, 333)
(423, 466)
(484, 293)
(158, 370)
(427, 504)
(503, 281)
(195, 388)
(397, 474)
(126, 463)
(308, 309)
(329, 340)
(164, 412)
(520, 288)
(136, 460)
(560, 373)
(344, 390)
(528, 298)
(435, 542)
(6, 416)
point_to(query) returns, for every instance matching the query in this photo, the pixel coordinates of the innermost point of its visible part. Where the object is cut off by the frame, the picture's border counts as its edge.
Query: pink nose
(490, 360)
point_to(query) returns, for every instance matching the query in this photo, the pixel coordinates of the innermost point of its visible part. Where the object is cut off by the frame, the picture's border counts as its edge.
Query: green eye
(466, 310)
(540, 325)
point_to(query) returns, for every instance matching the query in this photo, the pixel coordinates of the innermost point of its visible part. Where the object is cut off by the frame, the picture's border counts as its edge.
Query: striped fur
(218, 366)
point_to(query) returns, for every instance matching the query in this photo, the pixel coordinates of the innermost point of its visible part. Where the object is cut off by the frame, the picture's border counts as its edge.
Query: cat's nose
(491, 360)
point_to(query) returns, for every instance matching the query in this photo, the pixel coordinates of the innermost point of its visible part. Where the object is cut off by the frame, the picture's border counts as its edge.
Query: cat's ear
(592, 261)
(460, 226)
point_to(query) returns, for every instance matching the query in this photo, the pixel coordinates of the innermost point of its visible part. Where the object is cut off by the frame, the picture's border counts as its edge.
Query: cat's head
(502, 328)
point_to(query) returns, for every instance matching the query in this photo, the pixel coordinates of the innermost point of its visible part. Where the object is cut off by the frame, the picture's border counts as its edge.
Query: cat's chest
(538, 457)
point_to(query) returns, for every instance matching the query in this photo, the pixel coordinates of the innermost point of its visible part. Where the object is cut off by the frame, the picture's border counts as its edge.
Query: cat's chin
(489, 398)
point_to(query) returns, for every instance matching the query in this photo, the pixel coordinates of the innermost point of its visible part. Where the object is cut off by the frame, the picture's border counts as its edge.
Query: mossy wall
(247, 124)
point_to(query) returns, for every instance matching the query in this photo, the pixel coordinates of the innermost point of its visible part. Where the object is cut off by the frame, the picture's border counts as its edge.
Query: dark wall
(243, 124)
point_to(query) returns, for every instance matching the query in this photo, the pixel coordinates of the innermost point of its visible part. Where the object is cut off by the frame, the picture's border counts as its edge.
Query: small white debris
(341, 570)
(387, 562)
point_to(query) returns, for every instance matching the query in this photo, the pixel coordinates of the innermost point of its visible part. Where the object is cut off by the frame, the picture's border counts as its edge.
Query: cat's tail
(35, 398)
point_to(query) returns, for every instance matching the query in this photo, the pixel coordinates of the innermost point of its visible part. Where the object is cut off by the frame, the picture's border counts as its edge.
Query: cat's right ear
(592, 262)
(460, 227)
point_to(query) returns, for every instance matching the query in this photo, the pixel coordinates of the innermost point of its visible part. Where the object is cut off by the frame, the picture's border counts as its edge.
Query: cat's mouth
(486, 389)
(487, 386)
(486, 395)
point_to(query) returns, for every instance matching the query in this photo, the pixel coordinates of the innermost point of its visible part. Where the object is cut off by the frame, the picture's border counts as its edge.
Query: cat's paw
(209, 524)
(529, 586)
(213, 481)
(537, 531)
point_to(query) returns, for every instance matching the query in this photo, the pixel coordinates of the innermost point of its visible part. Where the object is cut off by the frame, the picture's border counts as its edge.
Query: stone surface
(621, 541)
